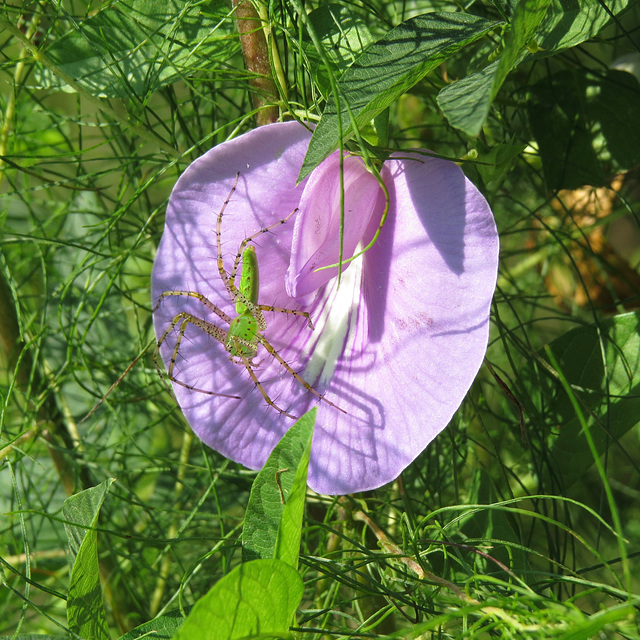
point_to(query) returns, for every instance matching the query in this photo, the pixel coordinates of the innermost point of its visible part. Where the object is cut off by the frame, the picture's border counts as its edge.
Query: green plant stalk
(165, 566)
(275, 54)
(615, 515)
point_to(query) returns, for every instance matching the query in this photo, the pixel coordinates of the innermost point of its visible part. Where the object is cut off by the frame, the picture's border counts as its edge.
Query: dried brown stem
(255, 50)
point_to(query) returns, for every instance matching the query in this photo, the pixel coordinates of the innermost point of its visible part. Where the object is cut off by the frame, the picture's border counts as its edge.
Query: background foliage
(505, 526)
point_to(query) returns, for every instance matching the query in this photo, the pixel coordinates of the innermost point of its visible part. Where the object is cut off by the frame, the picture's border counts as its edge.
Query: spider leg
(224, 276)
(293, 312)
(248, 366)
(263, 341)
(251, 238)
(237, 295)
(184, 319)
(229, 280)
(194, 294)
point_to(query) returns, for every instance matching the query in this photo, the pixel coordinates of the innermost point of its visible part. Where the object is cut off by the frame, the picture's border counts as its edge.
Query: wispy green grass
(503, 527)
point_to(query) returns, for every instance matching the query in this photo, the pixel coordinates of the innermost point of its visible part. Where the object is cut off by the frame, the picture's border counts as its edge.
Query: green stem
(172, 534)
(275, 54)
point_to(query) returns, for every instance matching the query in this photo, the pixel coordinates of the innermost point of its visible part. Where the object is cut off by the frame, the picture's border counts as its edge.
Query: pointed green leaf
(537, 26)
(160, 628)
(290, 529)
(526, 17)
(386, 70)
(466, 103)
(277, 497)
(258, 597)
(85, 604)
(570, 22)
(81, 512)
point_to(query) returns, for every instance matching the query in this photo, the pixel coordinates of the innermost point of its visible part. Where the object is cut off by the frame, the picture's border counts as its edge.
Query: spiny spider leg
(246, 296)
(293, 312)
(194, 294)
(297, 376)
(247, 240)
(184, 319)
(248, 366)
(229, 279)
(243, 336)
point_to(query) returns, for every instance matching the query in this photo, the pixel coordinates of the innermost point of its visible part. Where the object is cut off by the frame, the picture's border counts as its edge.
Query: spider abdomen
(242, 337)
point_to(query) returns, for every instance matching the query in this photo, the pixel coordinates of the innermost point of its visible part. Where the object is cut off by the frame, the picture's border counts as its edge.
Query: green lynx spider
(244, 335)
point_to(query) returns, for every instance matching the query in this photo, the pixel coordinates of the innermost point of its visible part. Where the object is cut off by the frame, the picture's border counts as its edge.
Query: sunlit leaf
(273, 520)
(258, 597)
(389, 68)
(85, 603)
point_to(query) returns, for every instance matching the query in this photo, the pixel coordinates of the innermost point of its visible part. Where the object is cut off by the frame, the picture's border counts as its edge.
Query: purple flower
(395, 347)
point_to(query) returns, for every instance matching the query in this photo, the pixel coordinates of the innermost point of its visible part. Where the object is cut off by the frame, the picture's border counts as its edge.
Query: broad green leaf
(258, 597)
(606, 388)
(273, 520)
(570, 22)
(160, 628)
(386, 70)
(81, 512)
(34, 636)
(85, 604)
(525, 19)
(466, 103)
(290, 529)
(343, 34)
(134, 47)
(586, 125)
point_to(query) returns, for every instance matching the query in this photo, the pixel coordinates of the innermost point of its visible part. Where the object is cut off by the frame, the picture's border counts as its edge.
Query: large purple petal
(396, 346)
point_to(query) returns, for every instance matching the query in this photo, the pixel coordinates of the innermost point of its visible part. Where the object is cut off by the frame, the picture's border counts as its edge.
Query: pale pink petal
(316, 234)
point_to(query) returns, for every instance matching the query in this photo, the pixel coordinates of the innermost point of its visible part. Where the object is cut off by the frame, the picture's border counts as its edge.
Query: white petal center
(336, 322)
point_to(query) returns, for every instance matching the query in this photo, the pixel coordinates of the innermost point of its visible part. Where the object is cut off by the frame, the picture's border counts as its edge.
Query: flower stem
(255, 50)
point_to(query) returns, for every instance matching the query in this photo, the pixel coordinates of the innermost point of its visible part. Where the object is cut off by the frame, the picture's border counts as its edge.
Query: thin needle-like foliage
(504, 526)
